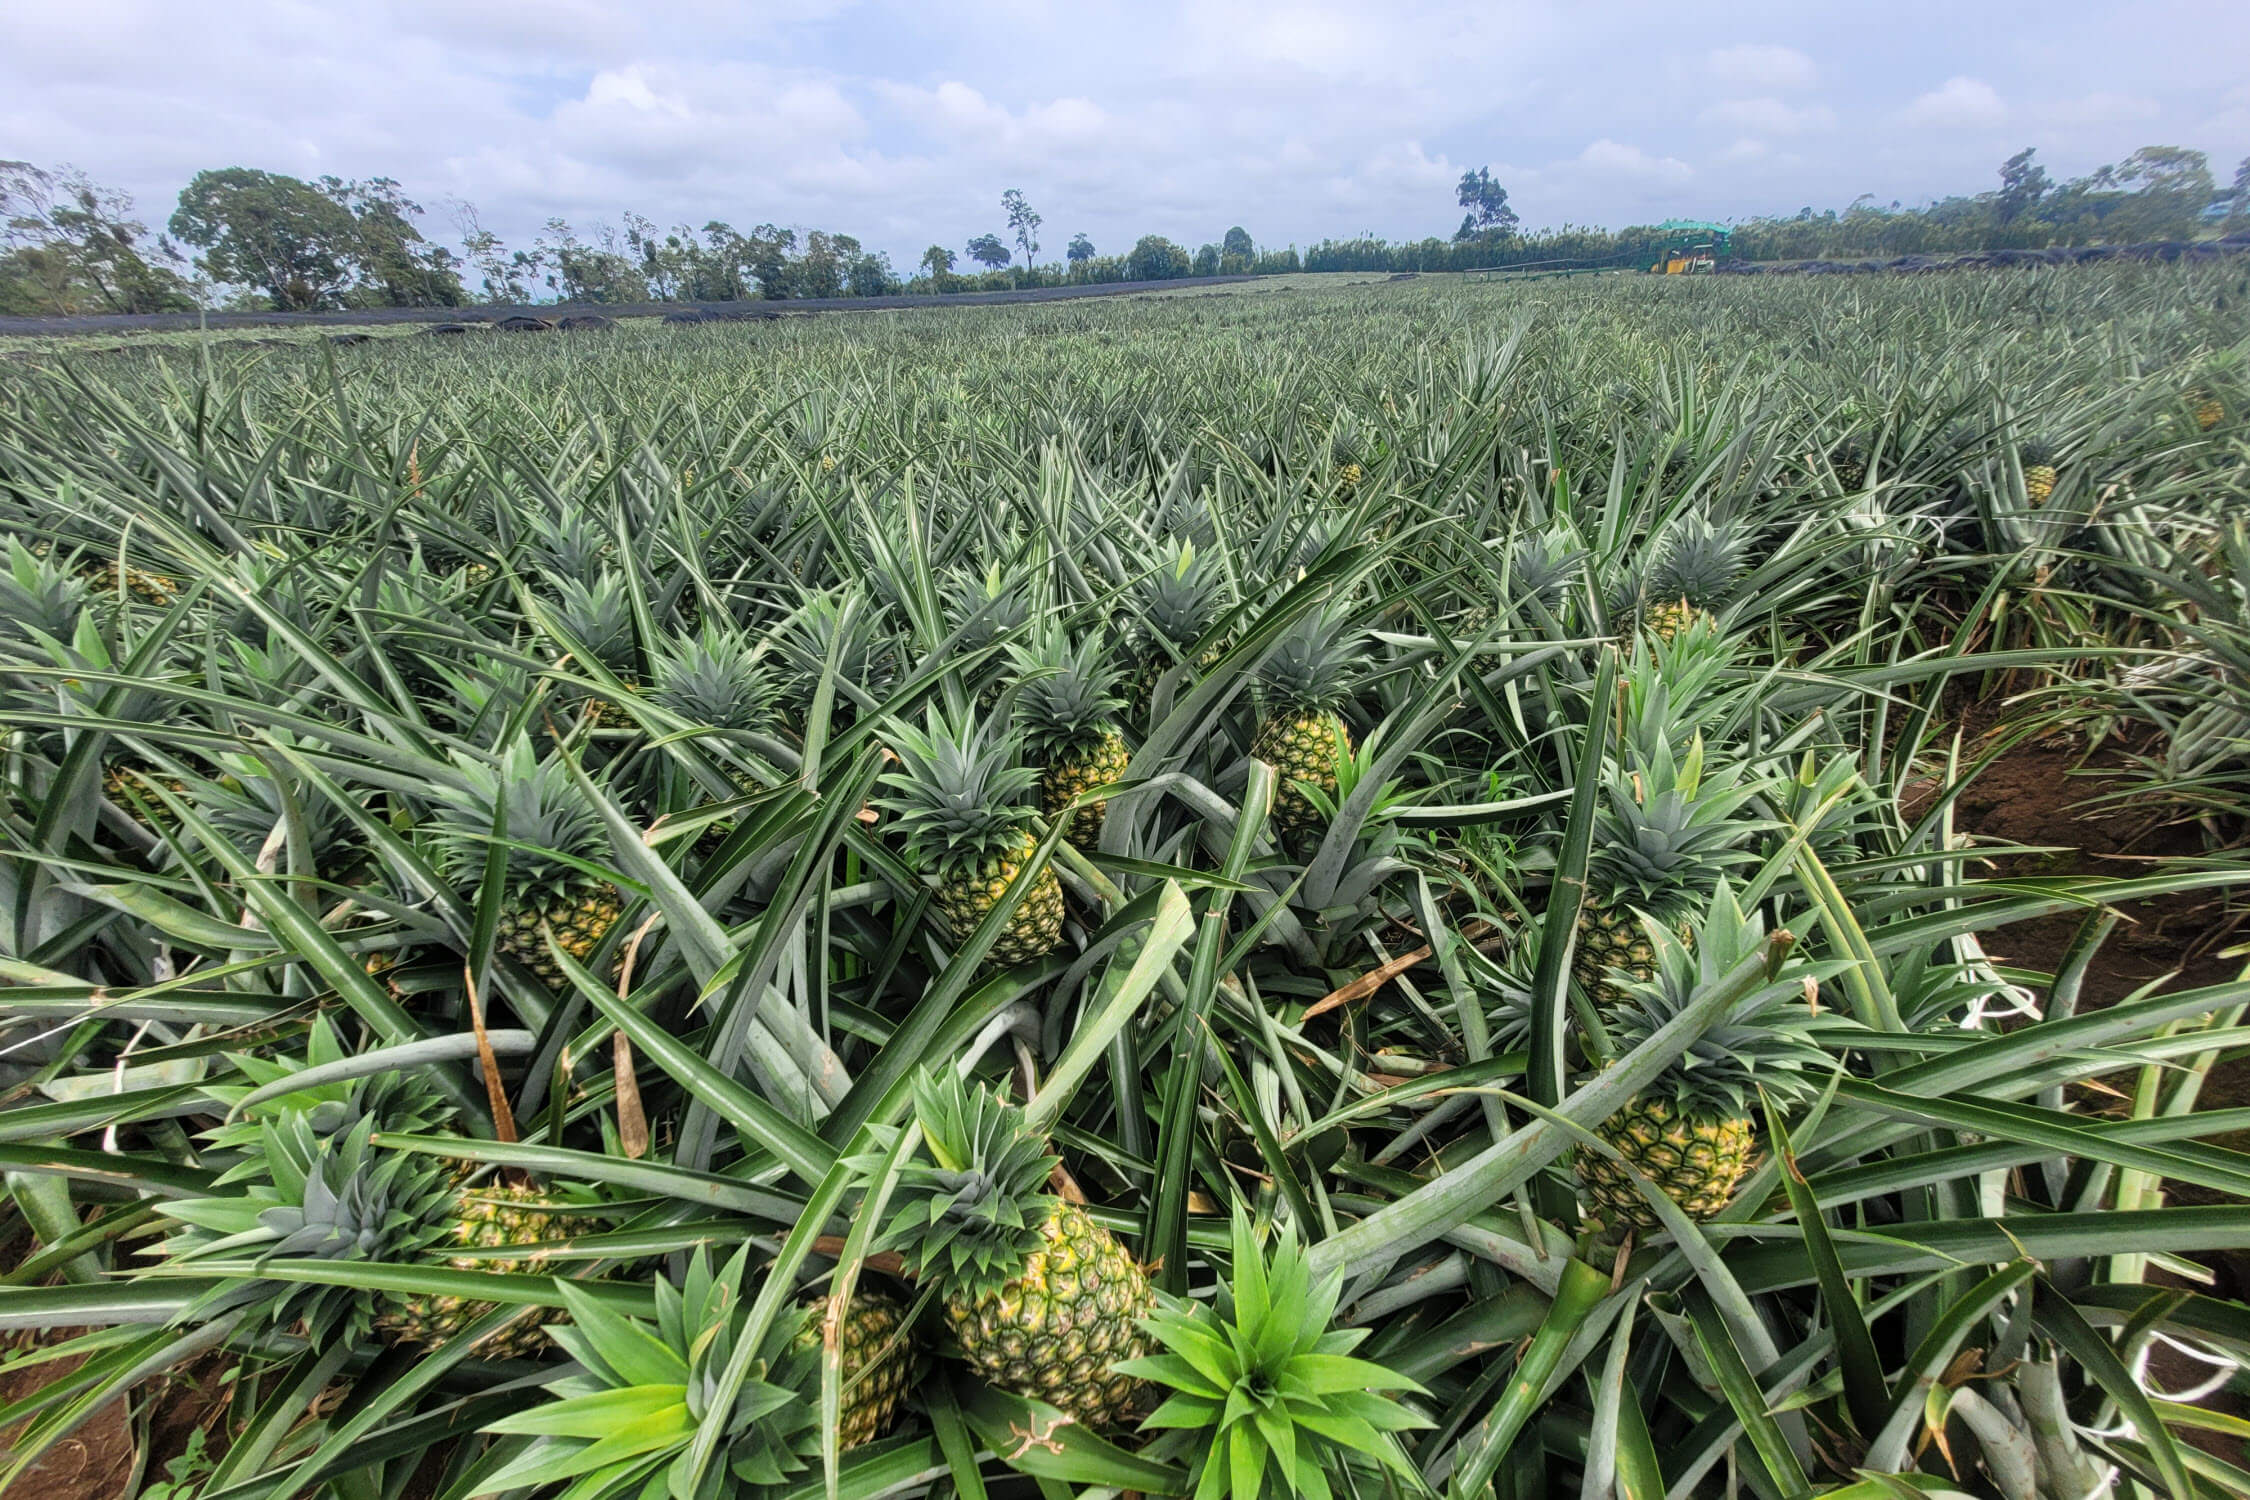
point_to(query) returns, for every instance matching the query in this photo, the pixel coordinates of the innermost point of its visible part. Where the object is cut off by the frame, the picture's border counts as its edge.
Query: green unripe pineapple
(493, 1218)
(960, 801)
(548, 826)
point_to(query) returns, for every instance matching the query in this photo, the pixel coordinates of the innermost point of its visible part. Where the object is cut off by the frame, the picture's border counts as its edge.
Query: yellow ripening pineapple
(1301, 736)
(1693, 1132)
(1038, 1297)
(960, 801)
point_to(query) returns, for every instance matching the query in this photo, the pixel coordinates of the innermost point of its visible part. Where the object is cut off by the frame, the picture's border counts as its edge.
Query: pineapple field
(1625, 887)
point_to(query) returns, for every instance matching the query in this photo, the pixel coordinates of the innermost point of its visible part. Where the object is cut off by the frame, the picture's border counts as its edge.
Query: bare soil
(2036, 794)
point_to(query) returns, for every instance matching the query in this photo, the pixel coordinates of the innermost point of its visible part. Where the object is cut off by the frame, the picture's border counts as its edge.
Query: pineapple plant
(1067, 711)
(2039, 473)
(1693, 1132)
(551, 833)
(1263, 1379)
(646, 1398)
(1038, 1298)
(1665, 833)
(490, 1227)
(1301, 736)
(960, 800)
(2207, 408)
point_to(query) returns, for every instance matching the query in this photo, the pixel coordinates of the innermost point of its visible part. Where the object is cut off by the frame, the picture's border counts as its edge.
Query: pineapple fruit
(959, 797)
(1301, 736)
(1039, 1298)
(2209, 412)
(1664, 835)
(1693, 1132)
(486, 1222)
(1067, 711)
(2039, 473)
(547, 827)
(878, 1364)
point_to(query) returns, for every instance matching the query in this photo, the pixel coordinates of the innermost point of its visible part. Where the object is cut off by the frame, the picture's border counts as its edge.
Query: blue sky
(902, 123)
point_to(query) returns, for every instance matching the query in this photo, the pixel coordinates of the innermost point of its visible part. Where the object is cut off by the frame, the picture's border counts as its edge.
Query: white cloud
(1769, 116)
(1621, 160)
(1960, 104)
(1756, 66)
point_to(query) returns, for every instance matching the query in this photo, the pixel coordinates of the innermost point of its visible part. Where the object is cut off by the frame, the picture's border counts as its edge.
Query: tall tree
(391, 264)
(1487, 205)
(1024, 222)
(937, 261)
(1081, 248)
(278, 234)
(1155, 258)
(988, 251)
(69, 245)
(1237, 242)
(505, 279)
(2023, 183)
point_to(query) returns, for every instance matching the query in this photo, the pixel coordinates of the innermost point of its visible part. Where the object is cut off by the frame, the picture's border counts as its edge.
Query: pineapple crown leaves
(1672, 688)
(625, 1425)
(402, 1101)
(972, 1206)
(1313, 666)
(1066, 694)
(567, 544)
(1180, 599)
(846, 628)
(551, 832)
(1667, 831)
(596, 620)
(1765, 1043)
(716, 678)
(1271, 1389)
(1542, 566)
(305, 1194)
(985, 610)
(960, 795)
(40, 601)
(1701, 561)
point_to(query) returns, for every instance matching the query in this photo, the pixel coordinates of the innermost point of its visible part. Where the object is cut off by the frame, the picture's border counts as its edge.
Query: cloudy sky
(902, 122)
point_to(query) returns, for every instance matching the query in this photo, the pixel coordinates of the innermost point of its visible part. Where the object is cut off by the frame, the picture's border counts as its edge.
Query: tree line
(240, 238)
